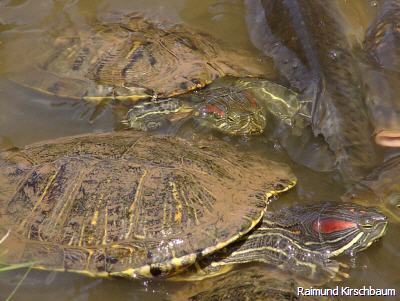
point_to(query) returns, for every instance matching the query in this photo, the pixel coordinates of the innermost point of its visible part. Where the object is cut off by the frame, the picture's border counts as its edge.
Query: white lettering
(346, 291)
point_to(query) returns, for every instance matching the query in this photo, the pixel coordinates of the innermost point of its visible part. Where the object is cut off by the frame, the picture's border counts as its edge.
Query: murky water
(27, 116)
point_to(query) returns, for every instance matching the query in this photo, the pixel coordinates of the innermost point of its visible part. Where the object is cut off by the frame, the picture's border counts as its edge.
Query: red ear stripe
(251, 99)
(214, 109)
(332, 225)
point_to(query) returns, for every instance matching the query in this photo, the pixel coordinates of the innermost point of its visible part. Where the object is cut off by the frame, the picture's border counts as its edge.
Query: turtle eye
(367, 223)
(296, 232)
(367, 226)
(233, 117)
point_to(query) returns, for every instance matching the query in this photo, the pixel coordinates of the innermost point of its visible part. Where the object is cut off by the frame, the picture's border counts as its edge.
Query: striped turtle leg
(156, 113)
(275, 249)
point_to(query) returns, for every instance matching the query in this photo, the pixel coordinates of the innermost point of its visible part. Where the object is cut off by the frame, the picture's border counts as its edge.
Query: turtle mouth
(388, 138)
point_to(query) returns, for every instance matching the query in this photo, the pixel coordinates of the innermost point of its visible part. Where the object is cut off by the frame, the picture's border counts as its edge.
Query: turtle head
(234, 114)
(347, 228)
(332, 228)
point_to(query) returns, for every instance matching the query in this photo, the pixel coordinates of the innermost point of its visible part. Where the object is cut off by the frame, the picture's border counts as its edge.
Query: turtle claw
(339, 274)
(333, 270)
(343, 265)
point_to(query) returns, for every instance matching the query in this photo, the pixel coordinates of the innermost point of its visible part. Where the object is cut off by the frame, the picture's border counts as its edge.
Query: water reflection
(28, 117)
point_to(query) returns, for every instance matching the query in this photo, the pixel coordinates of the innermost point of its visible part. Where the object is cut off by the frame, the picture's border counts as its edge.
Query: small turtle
(130, 204)
(241, 107)
(234, 106)
(129, 58)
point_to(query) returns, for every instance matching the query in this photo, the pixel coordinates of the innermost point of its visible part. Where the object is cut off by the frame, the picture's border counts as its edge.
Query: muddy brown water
(27, 116)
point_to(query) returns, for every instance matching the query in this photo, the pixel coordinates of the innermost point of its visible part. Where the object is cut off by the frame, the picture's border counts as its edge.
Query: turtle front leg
(156, 113)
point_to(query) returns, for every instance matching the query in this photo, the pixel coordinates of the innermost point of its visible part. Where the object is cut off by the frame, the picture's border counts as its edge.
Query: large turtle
(126, 58)
(131, 204)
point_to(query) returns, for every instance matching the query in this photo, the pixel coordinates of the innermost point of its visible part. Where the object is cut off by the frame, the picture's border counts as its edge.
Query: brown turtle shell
(129, 204)
(126, 58)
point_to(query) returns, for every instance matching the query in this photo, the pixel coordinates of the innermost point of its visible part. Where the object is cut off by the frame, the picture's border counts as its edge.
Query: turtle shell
(129, 204)
(126, 58)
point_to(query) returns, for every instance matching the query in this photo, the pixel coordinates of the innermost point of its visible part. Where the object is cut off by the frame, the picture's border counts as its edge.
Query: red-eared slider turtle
(234, 106)
(128, 58)
(130, 204)
(241, 107)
